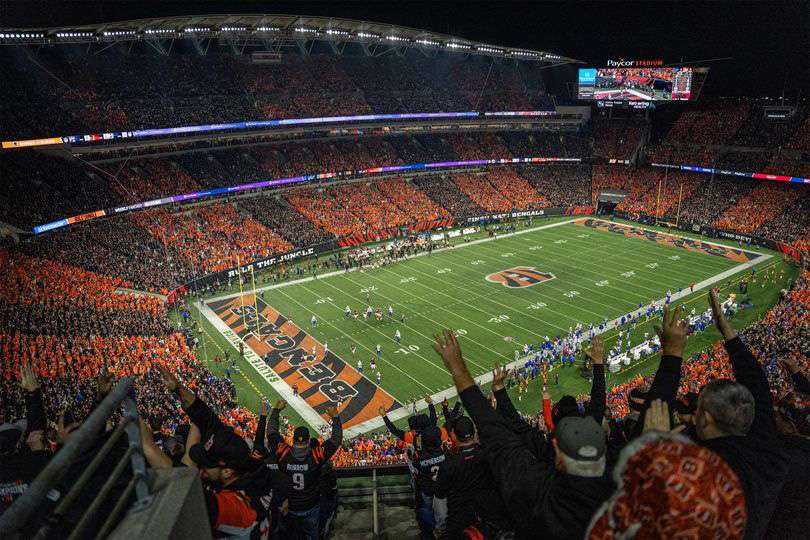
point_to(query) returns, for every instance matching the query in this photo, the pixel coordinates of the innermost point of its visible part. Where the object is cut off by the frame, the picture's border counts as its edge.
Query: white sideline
(315, 420)
(341, 272)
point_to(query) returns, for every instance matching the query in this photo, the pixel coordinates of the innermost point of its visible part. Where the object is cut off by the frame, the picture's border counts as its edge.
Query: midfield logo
(520, 276)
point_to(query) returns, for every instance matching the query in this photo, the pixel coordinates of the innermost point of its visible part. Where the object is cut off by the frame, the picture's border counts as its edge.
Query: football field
(496, 293)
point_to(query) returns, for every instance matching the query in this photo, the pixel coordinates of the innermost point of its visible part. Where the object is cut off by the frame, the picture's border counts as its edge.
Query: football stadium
(350, 274)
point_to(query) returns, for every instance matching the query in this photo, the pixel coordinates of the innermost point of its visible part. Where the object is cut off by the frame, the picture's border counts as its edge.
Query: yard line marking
(439, 250)
(373, 353)
(440, 325)
(387, 337)
(486, 377)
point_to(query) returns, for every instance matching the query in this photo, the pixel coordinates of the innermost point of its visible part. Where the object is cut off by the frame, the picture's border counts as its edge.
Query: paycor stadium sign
(634, 63)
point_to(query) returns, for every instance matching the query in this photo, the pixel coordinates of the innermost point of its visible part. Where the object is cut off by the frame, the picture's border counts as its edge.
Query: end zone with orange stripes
(738, 255)
(324, 382)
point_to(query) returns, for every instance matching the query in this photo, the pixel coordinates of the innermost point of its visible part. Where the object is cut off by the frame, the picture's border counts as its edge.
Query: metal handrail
(14, 520)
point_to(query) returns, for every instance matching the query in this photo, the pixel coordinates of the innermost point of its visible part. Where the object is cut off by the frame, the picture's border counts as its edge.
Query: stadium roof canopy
(272, 32)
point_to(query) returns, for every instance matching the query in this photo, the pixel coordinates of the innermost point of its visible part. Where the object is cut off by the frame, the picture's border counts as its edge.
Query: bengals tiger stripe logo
(520, 276)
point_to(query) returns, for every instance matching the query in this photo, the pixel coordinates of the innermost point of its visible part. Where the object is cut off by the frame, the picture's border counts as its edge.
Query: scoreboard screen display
(636, 83)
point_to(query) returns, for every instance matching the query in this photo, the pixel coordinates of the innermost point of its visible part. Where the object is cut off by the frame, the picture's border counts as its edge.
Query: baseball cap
(464, 428)
(222, 449)
(566, 406)
(301, 435)
(635, 400)
(580, 438)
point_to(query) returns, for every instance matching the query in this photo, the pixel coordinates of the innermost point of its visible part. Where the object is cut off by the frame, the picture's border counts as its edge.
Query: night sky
(768, 42)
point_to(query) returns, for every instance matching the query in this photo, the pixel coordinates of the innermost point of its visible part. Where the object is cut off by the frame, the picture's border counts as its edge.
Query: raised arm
(336, 439)
(520, 476)
(35, 410)
(505, 406)
(431, 410)
(259, 440)
(747, 371)
(800, 381)
(395, 431)
(598, 403)
(156, 458)
(273, 435)
(672, 334)
(197, 410)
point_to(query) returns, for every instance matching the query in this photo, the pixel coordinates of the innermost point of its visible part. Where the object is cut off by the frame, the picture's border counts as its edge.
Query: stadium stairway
(395, 514)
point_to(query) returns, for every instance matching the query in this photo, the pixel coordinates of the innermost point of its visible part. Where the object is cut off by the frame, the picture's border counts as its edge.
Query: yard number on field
(408, 350)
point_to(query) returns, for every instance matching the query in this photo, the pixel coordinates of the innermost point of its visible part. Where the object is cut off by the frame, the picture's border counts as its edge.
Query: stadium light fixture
(268, 29)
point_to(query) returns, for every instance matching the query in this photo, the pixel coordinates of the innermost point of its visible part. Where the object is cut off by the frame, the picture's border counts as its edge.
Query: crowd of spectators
(212, 238)
(762, 204)
(478, 189)
(681, 154)
(482, 146)
(791, 225)
(52, 187)
(413, 203)
(562, 185)
(115, 247)
(276, 214)
(709, 122)
(324, 210)
(615, 138)
(520, 193)
(111, 91)
(779, 342)
(712, 197)
(445, 193)
(743, 161)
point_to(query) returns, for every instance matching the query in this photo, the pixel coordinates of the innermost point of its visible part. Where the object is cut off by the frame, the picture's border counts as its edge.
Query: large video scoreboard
(627, 81)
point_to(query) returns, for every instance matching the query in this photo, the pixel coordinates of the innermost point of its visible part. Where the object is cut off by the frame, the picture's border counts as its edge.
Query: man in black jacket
(736, 420)
(233, 498)
(431, 508)
(302, 463)
(466, 481)
(22, 445)
(544, 500)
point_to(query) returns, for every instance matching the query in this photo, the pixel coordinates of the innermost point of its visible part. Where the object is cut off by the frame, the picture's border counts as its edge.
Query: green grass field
(596, 275)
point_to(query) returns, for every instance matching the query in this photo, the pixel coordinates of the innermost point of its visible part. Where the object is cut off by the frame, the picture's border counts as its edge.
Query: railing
(376, 492)
(14, 523)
